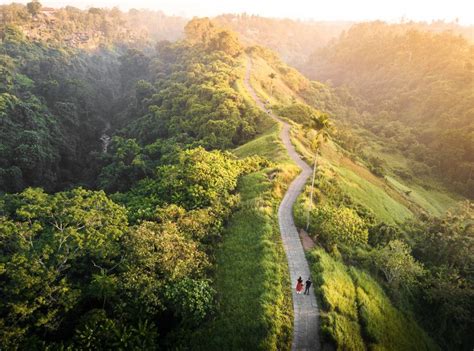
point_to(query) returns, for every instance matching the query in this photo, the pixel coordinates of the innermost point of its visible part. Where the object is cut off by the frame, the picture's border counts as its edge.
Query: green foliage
(44, 245)
(33, 7)
(53, 104)
(192, 300)
(97, 331)
(339, 321)
(303, 114)
(445, 245)
(255, 308)
(197, 179)
(381, 233)
(126, 165)
(410, 87)
(448, 239)
(397, 264)
(65, 255)
(196, 103)
(338, 225)
(204, 32)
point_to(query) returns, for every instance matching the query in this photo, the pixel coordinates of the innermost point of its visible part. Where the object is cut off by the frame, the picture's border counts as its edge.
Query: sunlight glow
(328, 10)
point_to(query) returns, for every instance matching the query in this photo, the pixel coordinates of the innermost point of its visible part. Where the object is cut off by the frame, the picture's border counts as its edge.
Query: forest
(140, 181)
(84, 232)
(412, 89)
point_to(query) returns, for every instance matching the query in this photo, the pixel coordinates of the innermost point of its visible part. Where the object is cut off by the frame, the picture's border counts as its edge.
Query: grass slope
(339, 316)
(386, 197)
(424, 192)
(364, 187)
(385, 327)
(251, 280)
(268, 145)
(356, 313)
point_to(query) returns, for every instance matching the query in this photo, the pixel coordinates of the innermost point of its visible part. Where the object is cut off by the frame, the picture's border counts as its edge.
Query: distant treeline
(413, 88)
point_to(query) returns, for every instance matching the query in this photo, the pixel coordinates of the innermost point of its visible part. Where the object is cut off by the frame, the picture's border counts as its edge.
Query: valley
(155, 173)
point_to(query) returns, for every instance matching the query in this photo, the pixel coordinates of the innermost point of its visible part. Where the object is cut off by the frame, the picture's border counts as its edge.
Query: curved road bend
(306, 312)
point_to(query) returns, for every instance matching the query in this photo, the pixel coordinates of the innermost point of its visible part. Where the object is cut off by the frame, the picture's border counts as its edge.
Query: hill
(92, 28)
(140, 185)
(413, 89)
(370, 205)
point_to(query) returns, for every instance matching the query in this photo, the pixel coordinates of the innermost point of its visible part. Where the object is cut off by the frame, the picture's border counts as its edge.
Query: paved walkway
(306, 312)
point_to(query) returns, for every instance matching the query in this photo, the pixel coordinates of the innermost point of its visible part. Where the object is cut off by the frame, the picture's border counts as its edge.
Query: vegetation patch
(255, 311)
(384, 326)
(357, 314)
(337, 293)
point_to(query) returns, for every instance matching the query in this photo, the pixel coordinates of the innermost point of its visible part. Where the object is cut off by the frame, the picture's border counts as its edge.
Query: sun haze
(334, 10)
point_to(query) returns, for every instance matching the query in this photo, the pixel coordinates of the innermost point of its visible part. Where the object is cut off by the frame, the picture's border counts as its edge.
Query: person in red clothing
(299, 286)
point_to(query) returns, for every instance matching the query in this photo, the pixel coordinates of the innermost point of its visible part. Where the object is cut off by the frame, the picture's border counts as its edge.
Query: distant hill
(293, 40)
(412, 88)
(93, 27)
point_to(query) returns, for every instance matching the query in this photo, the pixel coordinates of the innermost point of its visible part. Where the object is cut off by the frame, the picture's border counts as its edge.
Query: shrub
(397, 264)
(339, 225)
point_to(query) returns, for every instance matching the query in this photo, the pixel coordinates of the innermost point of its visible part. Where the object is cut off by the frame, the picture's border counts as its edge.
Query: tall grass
(357, 314)
(384, 326)
(252, 277)
(252, 280)
(337, 293)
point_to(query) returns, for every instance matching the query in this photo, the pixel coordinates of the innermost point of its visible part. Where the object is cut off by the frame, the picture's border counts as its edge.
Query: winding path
(306, 312)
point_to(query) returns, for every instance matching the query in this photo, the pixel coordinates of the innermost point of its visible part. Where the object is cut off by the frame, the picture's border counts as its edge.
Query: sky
(324, 10)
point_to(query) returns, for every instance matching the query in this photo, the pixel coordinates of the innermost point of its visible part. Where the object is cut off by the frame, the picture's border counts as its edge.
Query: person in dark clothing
(308, 284)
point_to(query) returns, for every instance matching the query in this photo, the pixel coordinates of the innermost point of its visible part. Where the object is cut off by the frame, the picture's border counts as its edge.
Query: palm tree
(322, 124)
(272, 76)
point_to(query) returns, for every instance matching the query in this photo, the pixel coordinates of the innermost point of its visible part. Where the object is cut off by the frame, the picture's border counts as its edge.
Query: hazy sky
(388, 10)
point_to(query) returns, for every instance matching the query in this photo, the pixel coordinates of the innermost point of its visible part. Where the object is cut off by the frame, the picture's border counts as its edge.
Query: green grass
(426, 193)
(252, 278)
(435, 201)
(372, 196)
(384, 326)
(335, 289)
(268, 145)
(357, 314)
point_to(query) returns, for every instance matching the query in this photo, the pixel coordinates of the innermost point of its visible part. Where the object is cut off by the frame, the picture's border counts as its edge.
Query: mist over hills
(141, 174)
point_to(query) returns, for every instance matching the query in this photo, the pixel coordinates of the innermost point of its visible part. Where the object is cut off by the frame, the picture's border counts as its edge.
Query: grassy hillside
(386, 197)
(390, 197)
(361, 311)
(251, 280)
(413, 89)
(357, 314)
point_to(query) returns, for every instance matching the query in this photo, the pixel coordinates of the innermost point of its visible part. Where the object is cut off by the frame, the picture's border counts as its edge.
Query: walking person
(299, 286)
(308, 285)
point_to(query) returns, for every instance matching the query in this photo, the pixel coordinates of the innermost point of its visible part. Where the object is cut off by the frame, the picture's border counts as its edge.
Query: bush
(339, 225)
(397, 264)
